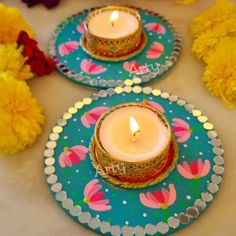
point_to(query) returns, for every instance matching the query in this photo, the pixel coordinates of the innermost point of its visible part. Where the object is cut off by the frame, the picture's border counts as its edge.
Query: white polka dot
(188, 197)
(104, 103)
(164, 183)
(68, 182)
(150, 33)
(150, 98)
(123, 94)
(185, 145)
(145, 215)
(73, 32)
(77, 58)
(160, 37)
(81, 140)
(124, 202)
(137, 99)
(77, 171)
(65, 137)
(188, 118)
(78, 129)
(200, 153)
(99, 77)
(170, 111)
(175, 215)
(120, 72)
(65, 61)
(90, 172)
(169, 41)
(97, 216)
(106, 190)
(166, 57)
(170, 103)
(74, 119)
(196, 137)
(126, 222)
(208, 181)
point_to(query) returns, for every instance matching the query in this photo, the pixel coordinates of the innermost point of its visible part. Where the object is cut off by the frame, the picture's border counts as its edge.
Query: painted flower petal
(94, 190)
(172, 193)
(89, 186)
(155, 105)
(91, 68)
(184, 173)
(181, 123)
(184, 138)
(194, 167)
(97, 207)
(166, 195)
(84, 121)
(155, 51)
(61, 160)
(206, 168)
(159, 196)
(97, 196)
(81, 28)
(146, 202)
(155, 27)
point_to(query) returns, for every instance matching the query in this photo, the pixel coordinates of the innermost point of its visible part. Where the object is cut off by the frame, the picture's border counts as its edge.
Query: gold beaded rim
(138, 50)
(128, 185)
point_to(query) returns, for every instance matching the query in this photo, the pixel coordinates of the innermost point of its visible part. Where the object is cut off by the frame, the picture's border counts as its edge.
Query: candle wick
(112, 23)
(134, 136)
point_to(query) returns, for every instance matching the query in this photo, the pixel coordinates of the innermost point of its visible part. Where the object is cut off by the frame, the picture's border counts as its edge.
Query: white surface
(26, 205)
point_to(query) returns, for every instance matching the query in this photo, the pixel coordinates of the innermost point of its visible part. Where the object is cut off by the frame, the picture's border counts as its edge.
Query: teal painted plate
(109, 210)
(157, 58)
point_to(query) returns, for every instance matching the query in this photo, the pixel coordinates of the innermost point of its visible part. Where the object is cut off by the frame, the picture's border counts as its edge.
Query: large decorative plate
(156, 59)
(109, 210)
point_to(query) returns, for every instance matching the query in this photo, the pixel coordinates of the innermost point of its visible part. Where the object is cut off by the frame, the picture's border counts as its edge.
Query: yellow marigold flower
(208, 41)
(13, 62)
(11, 23)
(220, 73)
(185, 1)
(21, 116)
(220, 11)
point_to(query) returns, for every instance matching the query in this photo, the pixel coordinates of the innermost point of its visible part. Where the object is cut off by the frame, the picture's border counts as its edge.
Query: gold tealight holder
(137, 174)
(113, 48)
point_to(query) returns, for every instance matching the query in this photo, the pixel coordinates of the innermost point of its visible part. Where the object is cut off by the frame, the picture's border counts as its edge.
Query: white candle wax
(102, 24)
(116, 136)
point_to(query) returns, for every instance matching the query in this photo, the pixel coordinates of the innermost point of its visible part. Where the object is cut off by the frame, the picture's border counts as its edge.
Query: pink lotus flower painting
(155, 51)
(68, 47)
(91, 117)
(155, 105)
(91, 68)
(181, 130)
(155, 27)
(159, 199)
(134, 68)
(93, 198)
(81, 28)
(72, 155)
(194, 170)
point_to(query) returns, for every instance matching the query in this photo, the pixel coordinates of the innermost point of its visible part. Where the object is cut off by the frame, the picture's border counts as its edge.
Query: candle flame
(114, 16)
(134, 127)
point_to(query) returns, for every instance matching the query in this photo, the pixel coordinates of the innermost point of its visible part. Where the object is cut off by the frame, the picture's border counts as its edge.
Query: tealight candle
(113, 24)
(137, 137)
(133, 134)
(113, 32)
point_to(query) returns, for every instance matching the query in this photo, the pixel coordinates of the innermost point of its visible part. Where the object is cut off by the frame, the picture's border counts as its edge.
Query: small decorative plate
(154, 60)
(109, 210)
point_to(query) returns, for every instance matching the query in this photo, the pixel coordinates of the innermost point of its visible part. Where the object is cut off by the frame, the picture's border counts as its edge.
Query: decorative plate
(156, 59)
(163, 208)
